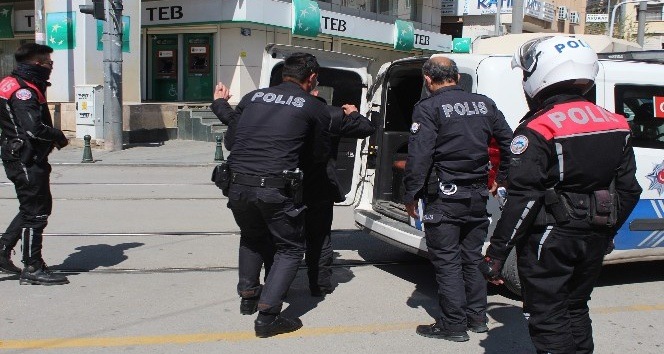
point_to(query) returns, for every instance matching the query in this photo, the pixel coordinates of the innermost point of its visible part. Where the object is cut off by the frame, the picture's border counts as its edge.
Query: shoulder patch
(23, 94)
(414, 128)
(519, 144)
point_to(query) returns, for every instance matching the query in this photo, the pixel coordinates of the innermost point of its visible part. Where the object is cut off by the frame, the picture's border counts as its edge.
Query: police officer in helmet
(566, 199)
(450, 136)
(281, 131)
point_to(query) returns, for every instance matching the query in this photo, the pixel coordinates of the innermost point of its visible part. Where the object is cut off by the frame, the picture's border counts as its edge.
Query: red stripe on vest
(9, 85)
(576, 118)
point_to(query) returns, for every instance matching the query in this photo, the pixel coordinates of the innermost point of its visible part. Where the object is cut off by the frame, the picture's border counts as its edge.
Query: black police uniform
(450, 133)
(321, 190)
(27, 139)
(278, 128)
(575, 150)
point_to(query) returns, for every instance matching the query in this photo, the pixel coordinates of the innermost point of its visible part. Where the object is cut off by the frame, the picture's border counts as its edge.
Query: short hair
(299, 66)
(440, 73)
(31, 52)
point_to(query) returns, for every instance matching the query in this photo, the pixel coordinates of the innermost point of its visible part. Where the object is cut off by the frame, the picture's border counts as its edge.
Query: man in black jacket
(321, 190)
(565, 198)
(279, 132)
(450, 135)
(321, 186)
(27, 138)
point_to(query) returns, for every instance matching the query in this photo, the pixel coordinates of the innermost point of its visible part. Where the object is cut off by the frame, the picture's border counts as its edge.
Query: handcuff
(448, 188)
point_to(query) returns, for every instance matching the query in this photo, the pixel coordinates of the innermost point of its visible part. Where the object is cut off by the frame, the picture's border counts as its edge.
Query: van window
(466, 82)
(636, 104)
(337, 87)
(404, 89)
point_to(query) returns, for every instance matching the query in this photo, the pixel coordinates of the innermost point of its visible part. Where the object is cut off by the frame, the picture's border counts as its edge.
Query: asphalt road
(151, 253)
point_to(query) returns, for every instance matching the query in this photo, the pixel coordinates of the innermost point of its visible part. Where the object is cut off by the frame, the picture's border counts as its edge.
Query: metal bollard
(87, 150)
(219, 152)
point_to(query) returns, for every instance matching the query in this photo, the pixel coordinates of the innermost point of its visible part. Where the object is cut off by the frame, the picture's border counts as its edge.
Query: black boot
(278, 325)
(249, 305)
(434, 331)
(6, 264)
(40, 275)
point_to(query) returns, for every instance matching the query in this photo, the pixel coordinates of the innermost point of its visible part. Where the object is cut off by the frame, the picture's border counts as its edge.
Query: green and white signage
(461, 45)
(306, 18)
(6, 15)
(60, 30)
(404, 35)
(126, 23)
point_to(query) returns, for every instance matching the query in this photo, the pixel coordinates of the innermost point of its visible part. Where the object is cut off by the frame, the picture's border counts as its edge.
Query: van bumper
(392, 231)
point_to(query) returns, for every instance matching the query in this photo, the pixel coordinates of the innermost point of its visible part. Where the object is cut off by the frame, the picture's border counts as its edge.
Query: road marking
(631, 308)
(54, 343)
(192, 338)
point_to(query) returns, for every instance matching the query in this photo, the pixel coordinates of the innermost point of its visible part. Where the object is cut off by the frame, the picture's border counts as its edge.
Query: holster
(221, 176)
(555, 205)
(294, 187)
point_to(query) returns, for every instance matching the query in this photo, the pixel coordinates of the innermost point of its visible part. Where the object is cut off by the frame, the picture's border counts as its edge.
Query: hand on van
(411, 208)
(221, 91)
(348, 109)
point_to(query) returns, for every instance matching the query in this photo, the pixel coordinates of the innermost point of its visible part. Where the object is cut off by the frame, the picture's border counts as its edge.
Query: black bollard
(87, 150)
(219, 152)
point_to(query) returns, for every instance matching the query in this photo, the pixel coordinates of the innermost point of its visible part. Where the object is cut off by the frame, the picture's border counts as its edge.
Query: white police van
(632, 88)
(368, 169)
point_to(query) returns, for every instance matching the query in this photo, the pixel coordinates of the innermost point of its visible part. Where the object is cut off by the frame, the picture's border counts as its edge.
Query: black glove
(491, 268)
(61, 143)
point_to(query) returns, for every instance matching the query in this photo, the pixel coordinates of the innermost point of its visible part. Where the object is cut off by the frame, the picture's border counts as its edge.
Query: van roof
(509, 43)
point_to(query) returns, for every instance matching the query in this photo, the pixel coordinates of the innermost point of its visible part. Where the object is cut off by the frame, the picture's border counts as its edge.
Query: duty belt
(258, 181)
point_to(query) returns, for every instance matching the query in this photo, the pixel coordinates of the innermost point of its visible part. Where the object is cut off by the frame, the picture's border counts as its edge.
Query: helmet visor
(526, 57)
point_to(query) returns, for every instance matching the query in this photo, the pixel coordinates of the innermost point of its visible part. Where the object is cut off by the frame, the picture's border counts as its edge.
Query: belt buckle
(448, 188)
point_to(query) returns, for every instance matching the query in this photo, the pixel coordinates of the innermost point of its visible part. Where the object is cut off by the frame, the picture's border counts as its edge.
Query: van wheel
(511, 274)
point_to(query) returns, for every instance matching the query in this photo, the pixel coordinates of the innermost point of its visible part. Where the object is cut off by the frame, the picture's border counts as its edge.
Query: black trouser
(319, 254)
(270, 226)
(455, 230)
(558, 268)
(35, 204)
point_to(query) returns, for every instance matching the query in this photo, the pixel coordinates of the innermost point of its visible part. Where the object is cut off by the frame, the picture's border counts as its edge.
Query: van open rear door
(343, 79)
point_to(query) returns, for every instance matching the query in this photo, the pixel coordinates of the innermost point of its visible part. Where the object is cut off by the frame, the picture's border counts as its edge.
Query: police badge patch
(414, 128)
(519, 144)
(23, 94)
(657, 178)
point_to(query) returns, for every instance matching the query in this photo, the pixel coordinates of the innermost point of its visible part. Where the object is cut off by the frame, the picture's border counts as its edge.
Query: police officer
(27, 138)
(450, 135)
(321, 190)
(565, 198)
(279, 129)
(321, 186)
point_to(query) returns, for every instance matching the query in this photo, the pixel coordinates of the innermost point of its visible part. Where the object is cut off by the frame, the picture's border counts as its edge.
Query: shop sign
(596, 18)
(24, 21)
(449, 7)
(169, 12)
(404, 35)
(306, 18)
(540, 10)
(461, 45)
(487, 7)
(60, 30)
(125, 34)
(6, 30)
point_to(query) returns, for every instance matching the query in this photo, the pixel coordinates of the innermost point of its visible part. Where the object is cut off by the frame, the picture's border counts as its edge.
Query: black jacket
(275, 129)
(451, 131)
(570, 144)
(323, 181)
(25, 118)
